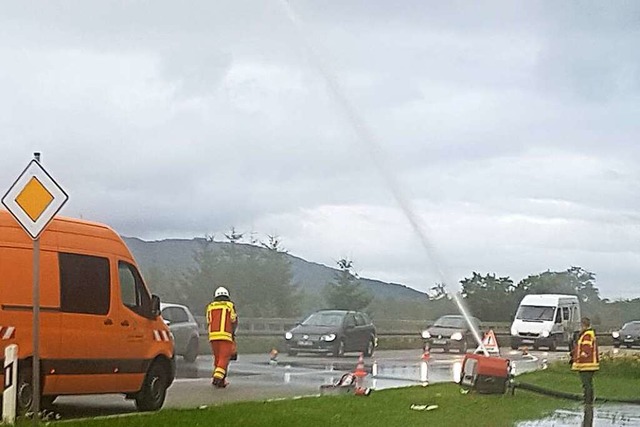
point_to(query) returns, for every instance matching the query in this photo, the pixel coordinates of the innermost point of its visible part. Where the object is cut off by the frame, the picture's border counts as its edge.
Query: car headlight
(545, 334)
(426, 335)
(615, 334)
(328, 337)
(288, 336)
(456, 336)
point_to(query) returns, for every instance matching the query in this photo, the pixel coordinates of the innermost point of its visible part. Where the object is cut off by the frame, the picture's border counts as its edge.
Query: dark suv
(333, 331)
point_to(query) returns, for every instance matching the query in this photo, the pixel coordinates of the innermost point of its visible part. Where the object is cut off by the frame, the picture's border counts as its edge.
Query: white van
(545, 320)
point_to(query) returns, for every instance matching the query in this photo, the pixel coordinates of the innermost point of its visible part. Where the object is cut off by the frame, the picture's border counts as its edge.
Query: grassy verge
(619, 378)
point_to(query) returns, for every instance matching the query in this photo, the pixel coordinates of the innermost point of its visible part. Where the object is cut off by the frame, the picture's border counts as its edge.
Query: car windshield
(324, 319)
(631, 327)
(535, 312)
(450, 322)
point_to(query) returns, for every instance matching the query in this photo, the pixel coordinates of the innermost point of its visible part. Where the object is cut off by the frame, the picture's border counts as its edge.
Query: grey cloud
(170, 120)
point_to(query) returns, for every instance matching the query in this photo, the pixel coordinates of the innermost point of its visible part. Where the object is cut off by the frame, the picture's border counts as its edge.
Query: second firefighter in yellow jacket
(585, 358)
(222, 321)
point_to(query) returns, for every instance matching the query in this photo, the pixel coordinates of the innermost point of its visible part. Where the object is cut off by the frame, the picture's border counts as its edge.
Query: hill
(176, 256)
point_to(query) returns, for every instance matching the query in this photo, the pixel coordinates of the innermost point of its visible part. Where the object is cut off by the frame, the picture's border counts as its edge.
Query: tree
(488, 297)
(259, 279)
(346, 292)
(439, 292)
(573, 281)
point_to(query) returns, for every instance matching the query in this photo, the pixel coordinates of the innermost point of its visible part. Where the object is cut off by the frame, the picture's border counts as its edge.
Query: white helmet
(221, 291)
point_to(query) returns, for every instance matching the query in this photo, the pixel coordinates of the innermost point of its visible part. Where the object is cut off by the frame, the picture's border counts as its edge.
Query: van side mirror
(155, 306)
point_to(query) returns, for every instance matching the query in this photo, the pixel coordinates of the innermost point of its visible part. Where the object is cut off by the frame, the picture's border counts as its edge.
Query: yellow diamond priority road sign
(34, 199)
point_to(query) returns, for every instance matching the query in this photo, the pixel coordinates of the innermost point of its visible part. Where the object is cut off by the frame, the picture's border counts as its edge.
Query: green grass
(382, 408)
(619, 378)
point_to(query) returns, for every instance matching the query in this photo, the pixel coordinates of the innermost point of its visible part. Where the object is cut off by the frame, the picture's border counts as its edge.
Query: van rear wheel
(154, 389)
(24, 390)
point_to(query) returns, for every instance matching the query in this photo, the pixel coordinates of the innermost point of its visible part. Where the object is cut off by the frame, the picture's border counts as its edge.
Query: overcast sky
(513, 128)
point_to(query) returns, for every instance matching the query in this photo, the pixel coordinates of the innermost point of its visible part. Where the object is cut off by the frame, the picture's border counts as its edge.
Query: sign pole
(36, 323)
(34, 200)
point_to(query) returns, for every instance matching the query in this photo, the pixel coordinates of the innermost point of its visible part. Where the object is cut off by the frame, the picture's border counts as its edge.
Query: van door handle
(108, 322)
(124, 323)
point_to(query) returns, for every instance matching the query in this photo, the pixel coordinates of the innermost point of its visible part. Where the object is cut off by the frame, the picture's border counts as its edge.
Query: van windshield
(535, 313)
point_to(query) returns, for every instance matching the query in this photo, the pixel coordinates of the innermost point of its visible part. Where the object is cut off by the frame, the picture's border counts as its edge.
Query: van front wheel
(154, 389)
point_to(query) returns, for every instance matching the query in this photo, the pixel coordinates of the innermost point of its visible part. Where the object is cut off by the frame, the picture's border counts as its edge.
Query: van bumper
(518, 341)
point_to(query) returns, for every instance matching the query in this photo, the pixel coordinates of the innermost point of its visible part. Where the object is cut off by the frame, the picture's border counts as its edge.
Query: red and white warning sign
(490, 343)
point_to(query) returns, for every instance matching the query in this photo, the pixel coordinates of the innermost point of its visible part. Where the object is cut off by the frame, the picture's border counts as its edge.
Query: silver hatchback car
(184, 328)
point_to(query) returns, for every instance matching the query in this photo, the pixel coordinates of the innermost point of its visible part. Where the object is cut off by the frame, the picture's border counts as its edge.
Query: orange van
(100, 329)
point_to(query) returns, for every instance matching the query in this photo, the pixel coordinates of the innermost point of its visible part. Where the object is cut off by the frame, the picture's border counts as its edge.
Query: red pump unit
(485, 374)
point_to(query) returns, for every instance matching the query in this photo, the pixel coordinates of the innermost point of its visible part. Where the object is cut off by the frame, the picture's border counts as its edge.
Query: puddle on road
(596, 416)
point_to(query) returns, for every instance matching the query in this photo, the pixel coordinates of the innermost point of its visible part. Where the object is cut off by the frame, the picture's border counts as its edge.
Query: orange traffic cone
(362, 391)
(424, 366)
(426, 355)
(273, 357)
(360, 372)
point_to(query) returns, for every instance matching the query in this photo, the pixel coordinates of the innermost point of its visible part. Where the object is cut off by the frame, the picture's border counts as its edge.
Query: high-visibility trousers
(222, 352)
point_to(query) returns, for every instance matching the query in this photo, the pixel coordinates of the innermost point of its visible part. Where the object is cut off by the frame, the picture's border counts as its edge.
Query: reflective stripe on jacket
(585, 353)
(221, 318)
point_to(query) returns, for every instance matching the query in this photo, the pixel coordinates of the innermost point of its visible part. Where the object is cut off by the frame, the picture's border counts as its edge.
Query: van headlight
(288, 336)
(615, 334)
(545, 334)
(457, 336)
(328, 337)
(426, 335)
(514, 331)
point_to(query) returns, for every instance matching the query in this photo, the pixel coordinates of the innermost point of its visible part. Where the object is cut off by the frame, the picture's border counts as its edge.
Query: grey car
(333, 331)
(451, 332)
(184, 328)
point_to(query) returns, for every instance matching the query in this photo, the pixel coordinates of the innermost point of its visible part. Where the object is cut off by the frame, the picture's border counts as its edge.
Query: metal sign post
(33, 200)
(36, 322)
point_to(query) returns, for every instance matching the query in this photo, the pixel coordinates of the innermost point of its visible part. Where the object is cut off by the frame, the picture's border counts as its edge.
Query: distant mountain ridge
(177, 255)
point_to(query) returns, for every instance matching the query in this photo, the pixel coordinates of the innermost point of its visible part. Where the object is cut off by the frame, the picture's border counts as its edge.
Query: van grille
(529, 334)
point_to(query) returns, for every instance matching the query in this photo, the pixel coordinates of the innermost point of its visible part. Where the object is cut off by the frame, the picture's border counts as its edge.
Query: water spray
(370, 144)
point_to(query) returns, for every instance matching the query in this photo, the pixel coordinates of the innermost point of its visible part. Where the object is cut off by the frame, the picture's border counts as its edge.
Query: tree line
(262, 286)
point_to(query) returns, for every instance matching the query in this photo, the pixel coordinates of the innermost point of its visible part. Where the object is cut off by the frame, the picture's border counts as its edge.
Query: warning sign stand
(490, 344)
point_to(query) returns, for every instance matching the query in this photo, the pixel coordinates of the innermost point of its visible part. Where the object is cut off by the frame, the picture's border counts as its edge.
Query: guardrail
(255, 326)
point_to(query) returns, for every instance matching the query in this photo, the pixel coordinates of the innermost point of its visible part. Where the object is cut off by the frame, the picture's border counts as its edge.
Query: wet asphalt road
(252, 377)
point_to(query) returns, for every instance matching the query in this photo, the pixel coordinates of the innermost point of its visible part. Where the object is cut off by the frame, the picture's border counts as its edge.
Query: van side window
(565, 313)
(558, 317)
(84, 284)
(132, 291)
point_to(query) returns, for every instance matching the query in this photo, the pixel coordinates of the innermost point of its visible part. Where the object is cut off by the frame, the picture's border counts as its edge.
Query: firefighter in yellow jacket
(222, 320)
(585, 358)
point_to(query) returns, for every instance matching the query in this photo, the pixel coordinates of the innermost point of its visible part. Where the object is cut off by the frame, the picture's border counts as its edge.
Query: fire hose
(570, 396)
